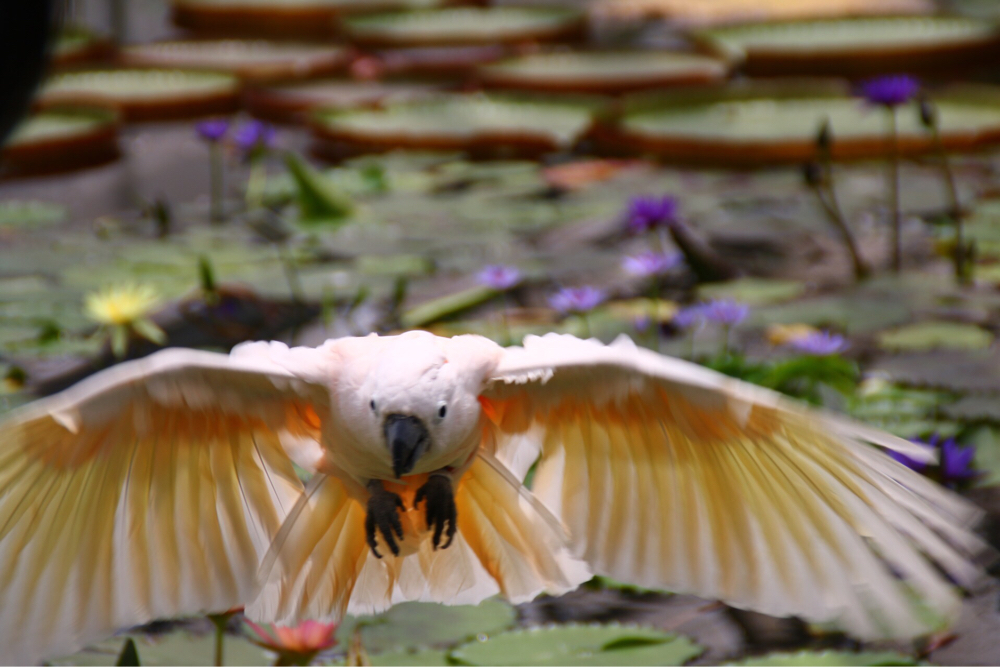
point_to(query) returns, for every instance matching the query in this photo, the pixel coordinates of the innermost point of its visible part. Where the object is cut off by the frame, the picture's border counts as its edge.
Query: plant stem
(586, 325)
(957, 215)
(255, 183)
(836, 215)
(218, 213)
(291, 273)
(897, 244)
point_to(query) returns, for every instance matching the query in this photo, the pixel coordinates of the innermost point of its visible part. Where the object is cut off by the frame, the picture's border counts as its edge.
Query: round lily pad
(831, 658)
(579, 645)
(251, 60)
(147, 94)
(754, 291)
(61, 140)
(458, 122)
(857, 47)
(772, 127)
(935, 335)
(466, 25)
(599, 72)
(292, 103)
(76, 45)
(288, 19)
(16, 213)
(413, 625)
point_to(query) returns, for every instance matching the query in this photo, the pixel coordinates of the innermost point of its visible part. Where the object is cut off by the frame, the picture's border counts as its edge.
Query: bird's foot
(441, 512)
(383, 515)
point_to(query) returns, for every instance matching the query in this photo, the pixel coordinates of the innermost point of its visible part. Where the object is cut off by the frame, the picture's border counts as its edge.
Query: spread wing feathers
(321, 567)
(669, 475)
(149, 490)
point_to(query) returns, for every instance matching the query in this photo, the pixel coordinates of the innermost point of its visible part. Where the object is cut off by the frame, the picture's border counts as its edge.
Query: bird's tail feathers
(320, 566)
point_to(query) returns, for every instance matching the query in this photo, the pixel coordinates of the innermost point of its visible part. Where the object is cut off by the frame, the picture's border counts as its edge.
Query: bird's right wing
(150, 490)
(669, 475)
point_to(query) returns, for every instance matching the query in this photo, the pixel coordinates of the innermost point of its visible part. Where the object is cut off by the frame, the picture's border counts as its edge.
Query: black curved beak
(407, 439)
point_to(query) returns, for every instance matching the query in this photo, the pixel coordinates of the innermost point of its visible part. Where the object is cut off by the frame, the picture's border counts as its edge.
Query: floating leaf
(446, 306)
(175, 648)
(318, 198)
(753, 291)
(21, 213)
(421, 657)
(831, 659)
(986, 440)
(579, 645)
(925, 336)
(419, 624)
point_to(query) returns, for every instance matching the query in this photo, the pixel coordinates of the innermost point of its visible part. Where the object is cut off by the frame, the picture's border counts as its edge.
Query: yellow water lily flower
(121, 304)
(124, 310)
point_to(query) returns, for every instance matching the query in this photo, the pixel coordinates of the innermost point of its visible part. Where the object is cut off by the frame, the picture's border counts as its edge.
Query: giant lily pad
(287, 19)
(579, 645)
(176, 648)
(857, 46)
(17, 213)
(831, 659)
(775, 124)
(292, 103)
(459, 122)
(597, 72)
(61, 140)
(466, 25)
(146, 94)
(76, 45)
(935, 335)
(422, 624)
(753, 291)
(255, 60)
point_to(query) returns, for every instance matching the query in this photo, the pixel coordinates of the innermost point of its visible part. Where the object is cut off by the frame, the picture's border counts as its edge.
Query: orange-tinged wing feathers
(150, 490)
(669, 475)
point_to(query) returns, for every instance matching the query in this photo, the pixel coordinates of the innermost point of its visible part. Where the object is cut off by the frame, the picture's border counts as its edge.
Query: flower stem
(836, 216)
(218, 214)
(586, 325)
(897, 244)
(957, 215)
(255, 183)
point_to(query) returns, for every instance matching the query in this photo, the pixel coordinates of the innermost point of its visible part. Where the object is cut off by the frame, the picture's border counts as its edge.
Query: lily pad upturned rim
(703, 69)
(278, 20)
(217, 100)
(723, 151)
(527, 142)
(554, 24)
(866, 58)
(91, 47)
(321, 61)
(290, 103)
(94, 145)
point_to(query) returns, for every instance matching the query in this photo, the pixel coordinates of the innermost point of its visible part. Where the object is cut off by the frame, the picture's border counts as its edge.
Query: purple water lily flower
(646, 213)
(725, 312)
(954, 466)
(689, 317)
(577, 299)
(649, 263)
(890, 91)
(254, 135)
(499, 276)
(820, 343)
(213, 130)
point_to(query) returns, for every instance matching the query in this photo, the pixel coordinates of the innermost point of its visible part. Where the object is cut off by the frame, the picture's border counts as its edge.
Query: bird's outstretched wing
(669, 475)
(149, 490)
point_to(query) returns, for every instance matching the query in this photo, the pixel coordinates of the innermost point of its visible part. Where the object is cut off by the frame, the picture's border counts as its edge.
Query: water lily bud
(824, 137)
(928, 114)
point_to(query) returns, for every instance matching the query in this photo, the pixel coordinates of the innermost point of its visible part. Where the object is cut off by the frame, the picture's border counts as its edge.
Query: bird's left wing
(669, 475)
(149, 490)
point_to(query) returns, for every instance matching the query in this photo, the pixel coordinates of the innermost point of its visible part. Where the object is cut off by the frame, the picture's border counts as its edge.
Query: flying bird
(168, 486)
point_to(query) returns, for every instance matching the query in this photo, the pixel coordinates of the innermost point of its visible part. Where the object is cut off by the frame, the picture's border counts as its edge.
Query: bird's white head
(416, 397)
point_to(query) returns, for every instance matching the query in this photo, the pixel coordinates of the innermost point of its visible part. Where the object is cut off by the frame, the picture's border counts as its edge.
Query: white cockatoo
(165, 486)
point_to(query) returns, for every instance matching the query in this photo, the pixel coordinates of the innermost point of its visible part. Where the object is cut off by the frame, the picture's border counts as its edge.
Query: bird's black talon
(441, 511)
(383, 515)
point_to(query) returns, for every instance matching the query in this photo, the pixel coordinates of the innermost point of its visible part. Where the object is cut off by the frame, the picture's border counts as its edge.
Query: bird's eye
(371, 404)
(442, 411)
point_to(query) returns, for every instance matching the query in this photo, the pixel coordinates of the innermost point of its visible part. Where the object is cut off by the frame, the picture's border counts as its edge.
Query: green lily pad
(175, 648)
(458, 122)
(579, 645)
(421, 657)
(908, 413)
(465, 25)
(778, 125)
(925, 336)
(846, 312)
(831, 659)
(413, 625)
(754, 291)
(987, 442)
(602, 72)
(446, 306)
(25, 213)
